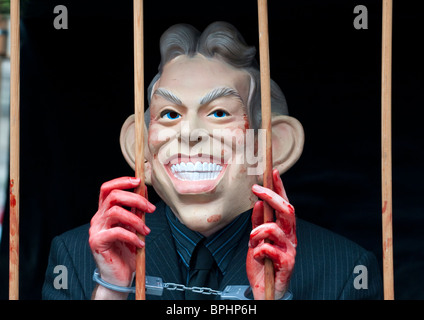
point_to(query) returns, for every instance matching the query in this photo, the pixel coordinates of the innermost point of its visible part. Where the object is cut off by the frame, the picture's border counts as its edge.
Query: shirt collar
(220, 244)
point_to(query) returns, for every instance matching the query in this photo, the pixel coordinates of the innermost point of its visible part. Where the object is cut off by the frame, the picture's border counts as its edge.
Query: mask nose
(191, 134)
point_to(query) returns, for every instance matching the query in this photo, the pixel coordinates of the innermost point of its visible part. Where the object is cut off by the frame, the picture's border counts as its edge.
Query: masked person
(202, 145)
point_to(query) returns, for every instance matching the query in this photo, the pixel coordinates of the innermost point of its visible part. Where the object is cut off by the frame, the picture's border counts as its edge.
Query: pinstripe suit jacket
(324, 266)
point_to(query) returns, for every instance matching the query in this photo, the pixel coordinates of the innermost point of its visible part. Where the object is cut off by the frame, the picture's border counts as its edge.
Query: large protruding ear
(127, 141)
(288, 138)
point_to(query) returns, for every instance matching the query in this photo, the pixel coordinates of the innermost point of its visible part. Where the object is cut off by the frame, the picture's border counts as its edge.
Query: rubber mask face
(198, 142)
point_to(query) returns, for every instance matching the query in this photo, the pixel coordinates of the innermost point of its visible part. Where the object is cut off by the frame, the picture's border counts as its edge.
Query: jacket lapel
(161, 255)
(236, 271)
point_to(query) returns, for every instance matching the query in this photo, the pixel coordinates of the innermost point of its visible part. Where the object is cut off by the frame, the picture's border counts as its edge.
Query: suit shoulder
(325, 264)
(78, 234)
(72, 251)
(314, 235)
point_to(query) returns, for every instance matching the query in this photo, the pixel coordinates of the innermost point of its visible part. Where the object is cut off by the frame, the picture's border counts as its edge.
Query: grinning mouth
(189, 171)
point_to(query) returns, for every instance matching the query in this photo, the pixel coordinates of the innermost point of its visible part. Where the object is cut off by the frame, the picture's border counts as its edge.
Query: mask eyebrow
(218, 93)
(168, 95)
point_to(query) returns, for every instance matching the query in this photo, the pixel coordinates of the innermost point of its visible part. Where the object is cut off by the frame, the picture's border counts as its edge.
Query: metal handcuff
(155, 287)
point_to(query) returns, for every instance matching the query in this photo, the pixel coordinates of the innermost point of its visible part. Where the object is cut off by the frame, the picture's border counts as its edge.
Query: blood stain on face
(214, 218)
(246, 122)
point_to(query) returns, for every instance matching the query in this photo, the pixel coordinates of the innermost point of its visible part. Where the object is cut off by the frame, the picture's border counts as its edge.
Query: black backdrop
(77, 90)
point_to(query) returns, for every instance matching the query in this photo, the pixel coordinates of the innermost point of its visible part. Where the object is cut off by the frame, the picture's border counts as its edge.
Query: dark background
(77, 90)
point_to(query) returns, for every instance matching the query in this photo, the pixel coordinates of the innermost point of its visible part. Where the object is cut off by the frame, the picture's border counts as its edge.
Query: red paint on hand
(113, 231)
(273, 240)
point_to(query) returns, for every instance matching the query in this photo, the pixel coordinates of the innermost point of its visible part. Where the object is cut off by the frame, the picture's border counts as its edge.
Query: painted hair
(220, 40)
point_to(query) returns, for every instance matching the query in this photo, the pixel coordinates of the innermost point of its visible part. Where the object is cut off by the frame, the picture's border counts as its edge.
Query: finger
(271, 232)
(287, 223)
(276, 201)
(128, 199)
(284, 211)
(266, 250)
(118, 215)
(273, 252)
(257, 214)
(278, 185)
(119, 183)
(283, 263)
(103, 240)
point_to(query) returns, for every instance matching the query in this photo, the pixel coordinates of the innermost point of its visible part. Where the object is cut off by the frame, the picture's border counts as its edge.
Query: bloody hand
(113, 239)
(282, 235)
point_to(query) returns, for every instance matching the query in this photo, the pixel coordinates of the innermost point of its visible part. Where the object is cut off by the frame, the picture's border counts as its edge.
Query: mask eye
(171, 115)
(218, 114)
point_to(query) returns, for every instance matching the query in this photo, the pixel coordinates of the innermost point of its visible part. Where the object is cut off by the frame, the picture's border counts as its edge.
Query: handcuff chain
(201, 290)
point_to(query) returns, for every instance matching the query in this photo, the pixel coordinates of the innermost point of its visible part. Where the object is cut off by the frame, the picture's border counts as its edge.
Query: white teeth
(196, 176)
(194, 172)
(198, 166)
(190, 166)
